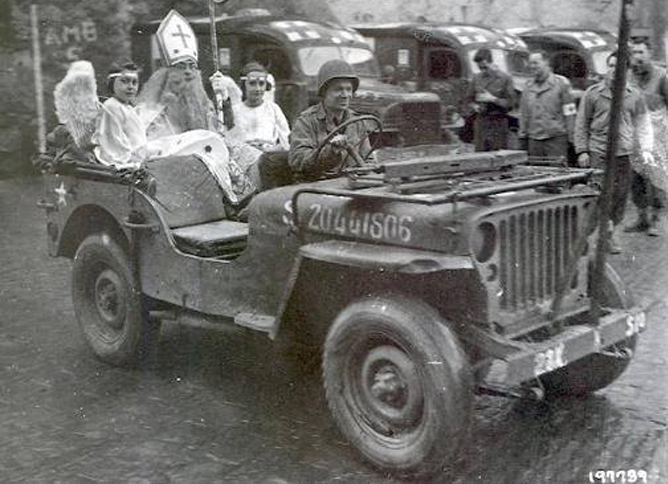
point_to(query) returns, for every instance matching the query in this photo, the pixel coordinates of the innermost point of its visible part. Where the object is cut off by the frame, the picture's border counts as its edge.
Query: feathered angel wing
(77, 105)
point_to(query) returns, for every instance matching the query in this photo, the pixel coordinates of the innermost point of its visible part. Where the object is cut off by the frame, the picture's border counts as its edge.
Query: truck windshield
(599, 60)
(518, 62)
(362, 60)
(510, 61)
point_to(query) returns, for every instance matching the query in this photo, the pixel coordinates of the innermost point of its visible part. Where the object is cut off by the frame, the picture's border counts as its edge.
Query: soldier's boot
(641, 224)
(653, 228)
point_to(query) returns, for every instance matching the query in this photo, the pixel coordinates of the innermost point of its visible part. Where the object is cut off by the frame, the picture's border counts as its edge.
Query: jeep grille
(534, 250)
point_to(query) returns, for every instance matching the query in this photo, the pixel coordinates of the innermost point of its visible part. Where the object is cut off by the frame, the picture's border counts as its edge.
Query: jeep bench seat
(222, 239)
(192, 205)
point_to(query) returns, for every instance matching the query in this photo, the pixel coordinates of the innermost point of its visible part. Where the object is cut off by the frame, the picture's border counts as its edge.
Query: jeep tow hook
(620, 354)
(531, 393)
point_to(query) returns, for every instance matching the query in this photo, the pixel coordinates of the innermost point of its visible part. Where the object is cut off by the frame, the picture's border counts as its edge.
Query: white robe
(263, 126)
(119, 134)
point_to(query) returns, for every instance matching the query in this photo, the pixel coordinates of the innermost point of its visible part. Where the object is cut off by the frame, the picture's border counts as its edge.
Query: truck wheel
(108, 303)
(596, 371)
(398, 384)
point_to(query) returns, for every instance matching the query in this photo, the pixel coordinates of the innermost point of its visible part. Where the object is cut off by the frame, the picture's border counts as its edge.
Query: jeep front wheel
(108, 303)
(398, 385)
(599, 370)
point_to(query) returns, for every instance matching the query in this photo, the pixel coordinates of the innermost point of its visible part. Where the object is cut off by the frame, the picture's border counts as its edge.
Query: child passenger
(120, 137)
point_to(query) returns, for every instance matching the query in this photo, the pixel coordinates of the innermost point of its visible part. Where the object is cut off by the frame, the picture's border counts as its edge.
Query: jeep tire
(595, 371)
(398, 384)
(108, 303)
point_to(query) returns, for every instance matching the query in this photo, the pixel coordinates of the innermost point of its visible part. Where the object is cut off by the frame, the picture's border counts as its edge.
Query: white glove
(219, 84)
(647, 158)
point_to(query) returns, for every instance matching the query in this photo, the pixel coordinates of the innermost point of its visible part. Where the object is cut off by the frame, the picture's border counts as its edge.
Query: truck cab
(292, 50)
(439, 58)
(578, 55)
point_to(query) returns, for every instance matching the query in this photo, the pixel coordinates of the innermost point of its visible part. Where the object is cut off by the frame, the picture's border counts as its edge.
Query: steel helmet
(336, 69)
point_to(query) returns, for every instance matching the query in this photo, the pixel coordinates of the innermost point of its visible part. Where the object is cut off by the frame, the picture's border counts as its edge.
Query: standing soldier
(591, 136)
(547, 111)
(491, 95)
(652, 82)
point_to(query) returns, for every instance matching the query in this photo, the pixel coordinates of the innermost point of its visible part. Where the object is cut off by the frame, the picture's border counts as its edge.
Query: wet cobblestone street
(216, 407)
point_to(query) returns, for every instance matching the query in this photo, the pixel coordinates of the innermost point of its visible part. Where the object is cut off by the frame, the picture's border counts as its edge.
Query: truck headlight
(483, 241)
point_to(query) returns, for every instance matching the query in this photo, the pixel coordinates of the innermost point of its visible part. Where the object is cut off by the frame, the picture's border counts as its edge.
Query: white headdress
(77, 105)
(176, 39)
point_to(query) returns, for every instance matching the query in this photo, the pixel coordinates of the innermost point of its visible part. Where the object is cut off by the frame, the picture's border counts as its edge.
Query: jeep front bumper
(574, 343)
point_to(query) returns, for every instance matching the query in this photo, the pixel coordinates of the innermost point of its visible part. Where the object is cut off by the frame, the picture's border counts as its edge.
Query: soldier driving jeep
(337, 83)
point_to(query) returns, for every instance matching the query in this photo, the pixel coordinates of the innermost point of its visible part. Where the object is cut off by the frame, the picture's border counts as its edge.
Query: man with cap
(337, 83)
(258, 121)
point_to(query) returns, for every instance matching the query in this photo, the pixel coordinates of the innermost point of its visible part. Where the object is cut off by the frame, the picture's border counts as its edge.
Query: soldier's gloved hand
(647, 158)
(583, 160)
(339, 141)
(220, 83)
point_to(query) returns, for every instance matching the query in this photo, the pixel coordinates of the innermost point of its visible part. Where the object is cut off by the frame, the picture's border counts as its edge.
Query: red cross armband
(569, 109)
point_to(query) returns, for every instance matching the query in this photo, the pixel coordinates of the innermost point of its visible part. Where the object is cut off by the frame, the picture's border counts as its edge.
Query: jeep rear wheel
(398, 385)
(596, 371)
(108, 303)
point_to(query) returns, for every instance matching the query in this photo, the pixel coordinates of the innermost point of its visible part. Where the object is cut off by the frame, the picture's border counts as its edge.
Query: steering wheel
(353, 152)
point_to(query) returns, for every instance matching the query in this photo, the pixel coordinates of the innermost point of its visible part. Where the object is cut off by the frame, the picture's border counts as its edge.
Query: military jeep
(421, 278)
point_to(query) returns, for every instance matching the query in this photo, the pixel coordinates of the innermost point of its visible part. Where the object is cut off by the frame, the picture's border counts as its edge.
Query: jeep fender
(86, 220)
(340, 271)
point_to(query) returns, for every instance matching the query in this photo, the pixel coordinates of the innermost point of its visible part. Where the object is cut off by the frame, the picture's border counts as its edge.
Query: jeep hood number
(367, 225)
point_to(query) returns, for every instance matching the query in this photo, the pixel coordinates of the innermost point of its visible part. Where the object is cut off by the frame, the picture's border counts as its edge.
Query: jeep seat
(187, 193)
(223, 239)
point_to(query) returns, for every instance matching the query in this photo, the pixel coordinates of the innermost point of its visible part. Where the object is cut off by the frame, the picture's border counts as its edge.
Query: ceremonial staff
(214, 52)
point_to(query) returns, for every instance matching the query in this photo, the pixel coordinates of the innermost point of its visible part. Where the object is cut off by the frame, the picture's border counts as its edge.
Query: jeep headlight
(483, 241)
